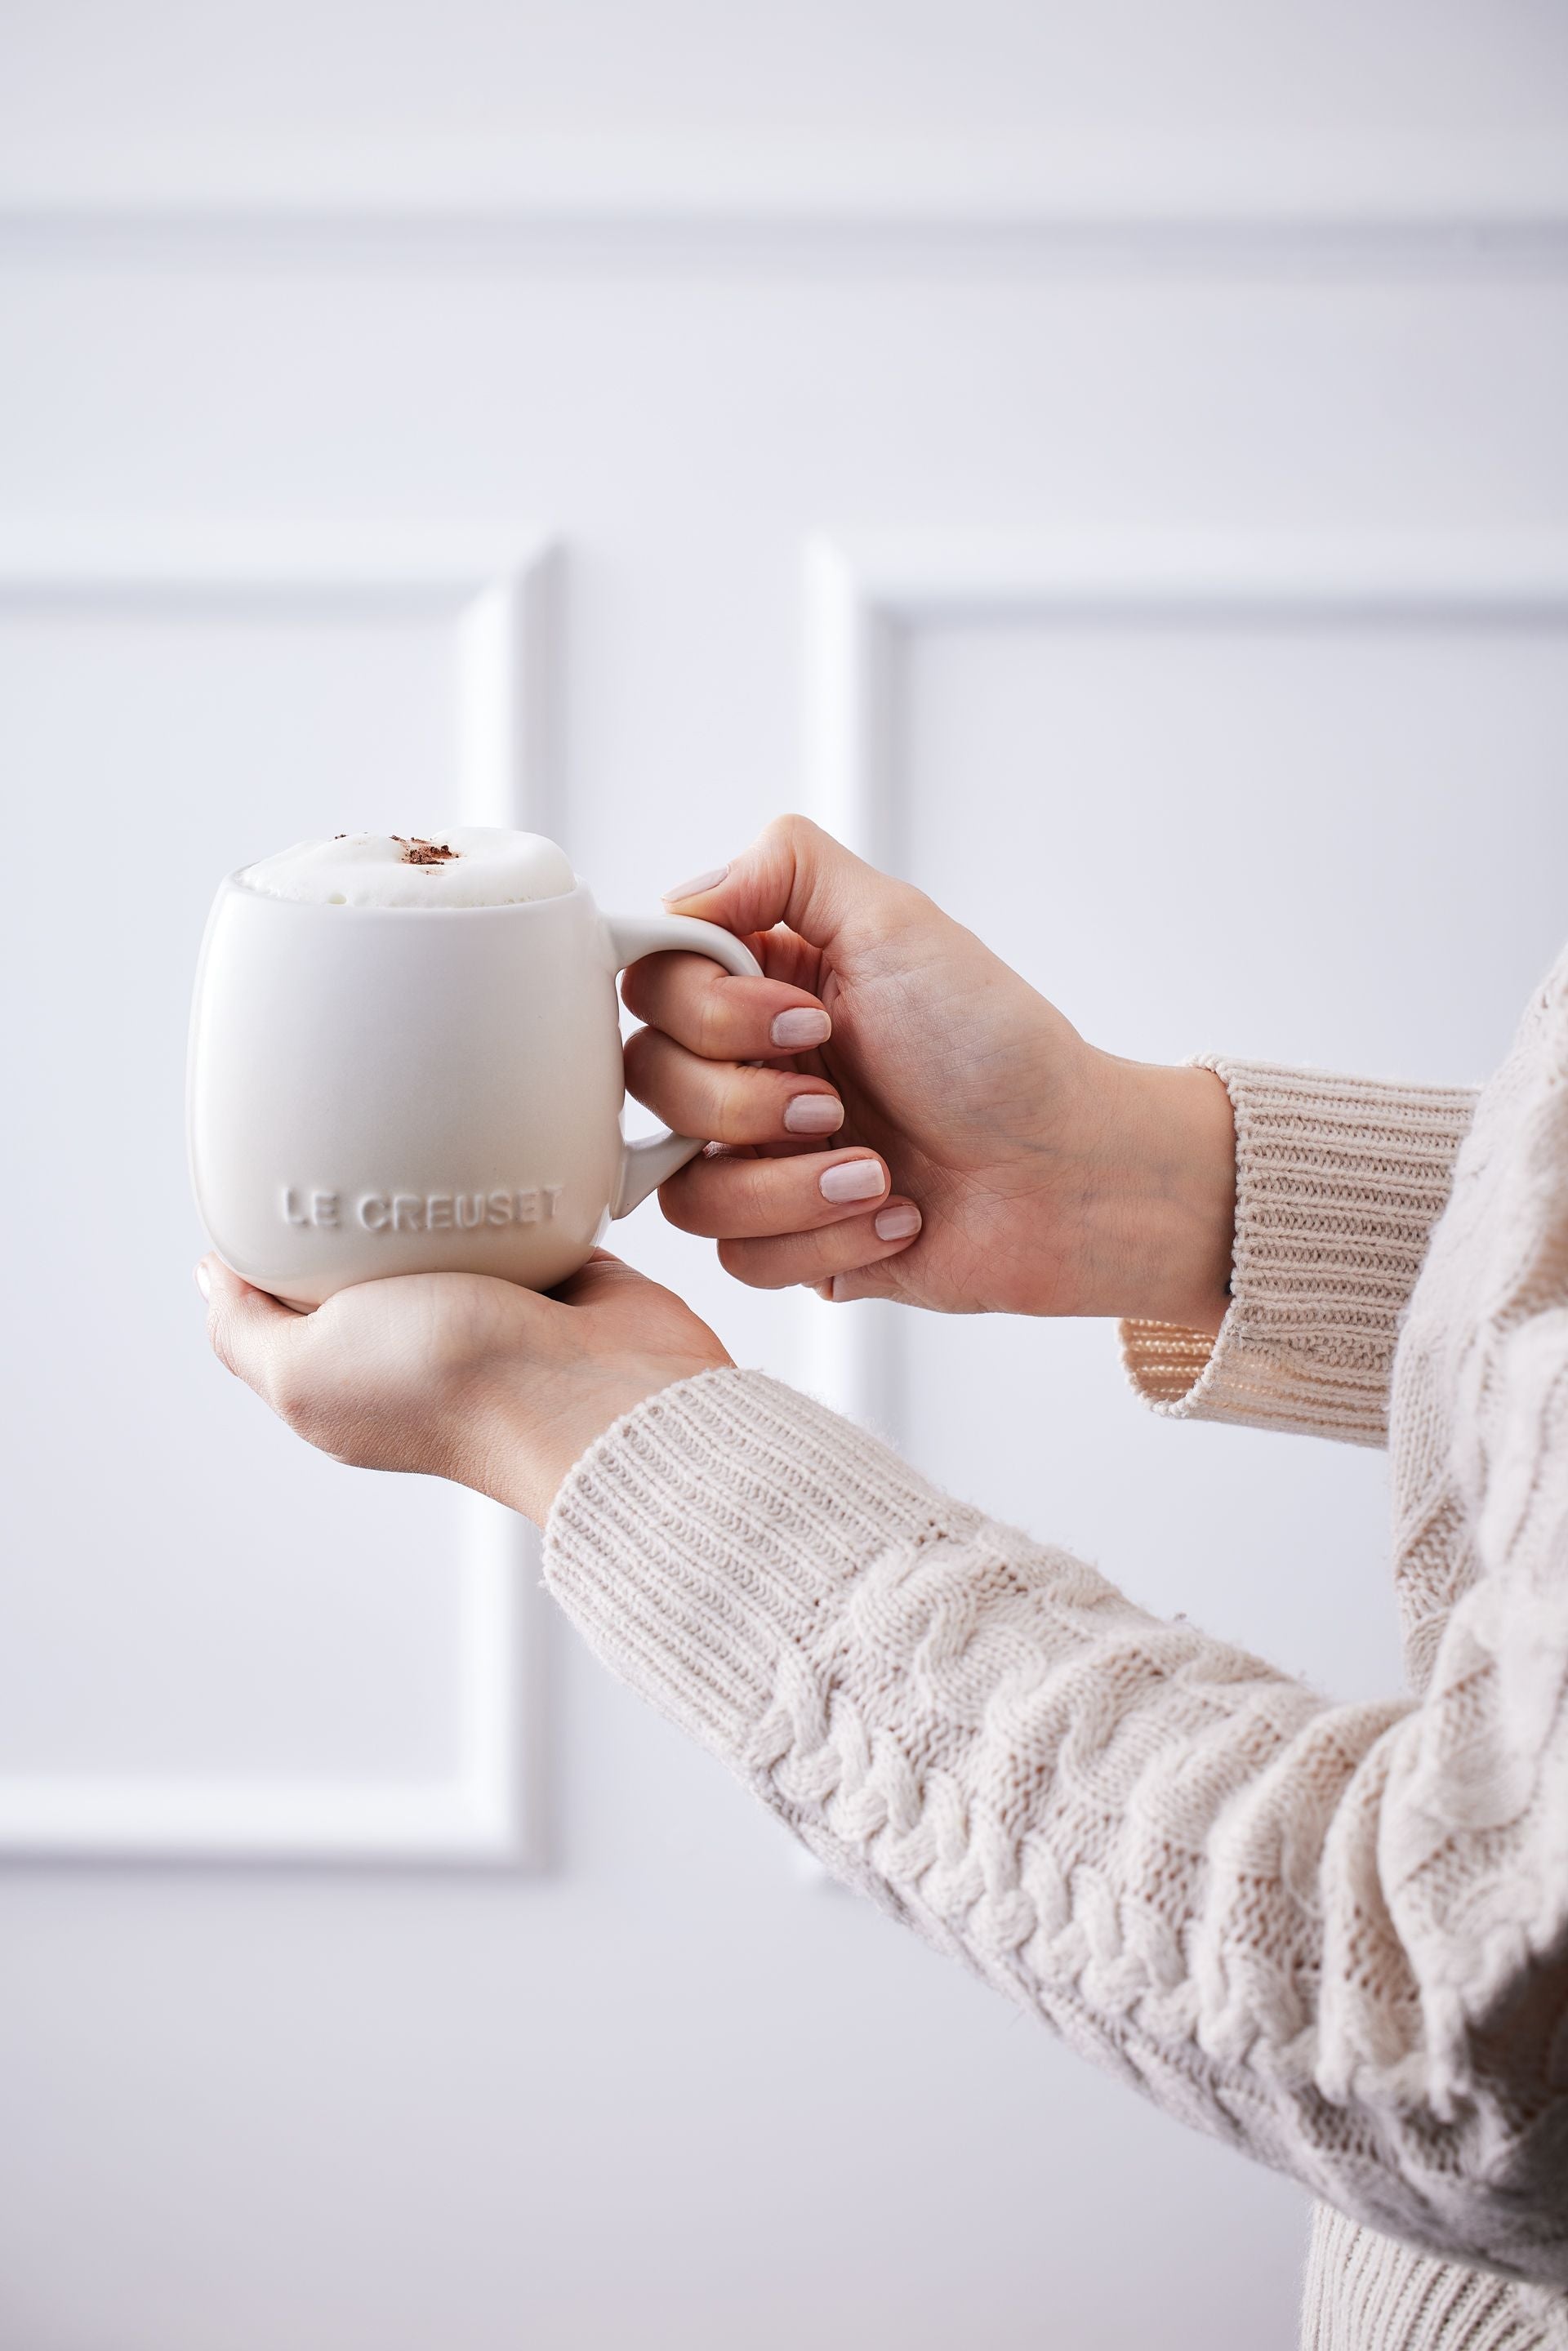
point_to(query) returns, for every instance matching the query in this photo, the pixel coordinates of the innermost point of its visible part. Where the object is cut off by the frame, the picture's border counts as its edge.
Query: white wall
(1109, 461)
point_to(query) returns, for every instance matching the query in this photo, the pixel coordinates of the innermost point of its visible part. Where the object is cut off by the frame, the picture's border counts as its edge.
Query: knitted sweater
(1336, 1936)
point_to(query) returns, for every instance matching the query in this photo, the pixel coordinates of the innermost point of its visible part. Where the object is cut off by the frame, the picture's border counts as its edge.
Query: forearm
(1176, 1855)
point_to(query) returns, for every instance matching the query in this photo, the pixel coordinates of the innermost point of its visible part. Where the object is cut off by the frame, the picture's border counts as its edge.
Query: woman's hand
(458, 1375)
(983, 1157)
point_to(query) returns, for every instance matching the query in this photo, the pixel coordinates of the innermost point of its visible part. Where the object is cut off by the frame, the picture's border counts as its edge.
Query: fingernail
(813, 1114)
(697, 886)
(805, 1025)
(203, 1280)
(853, 1179)
(897, 1223)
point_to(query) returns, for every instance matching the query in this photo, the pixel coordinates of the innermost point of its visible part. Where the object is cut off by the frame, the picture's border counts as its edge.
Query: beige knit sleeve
(1333, 1935)
(1339, 1181)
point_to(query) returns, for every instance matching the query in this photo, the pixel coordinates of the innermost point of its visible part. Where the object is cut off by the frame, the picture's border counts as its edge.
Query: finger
(797, 875)
(815, 1258)
(723, 1018)
(727, 1198)
(726, 1102)
(244, 1325)
(886, 1278)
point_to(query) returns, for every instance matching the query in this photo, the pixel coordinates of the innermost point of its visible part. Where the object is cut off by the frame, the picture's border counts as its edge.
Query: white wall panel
(212, 1643)
(1276, 833)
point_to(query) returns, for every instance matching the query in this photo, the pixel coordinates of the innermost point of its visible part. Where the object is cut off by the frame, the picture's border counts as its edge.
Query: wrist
(529, 1443)
(1182, 1200)
(1155, 1203)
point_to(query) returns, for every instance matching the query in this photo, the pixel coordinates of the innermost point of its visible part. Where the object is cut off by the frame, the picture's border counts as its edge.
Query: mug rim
(236, 881)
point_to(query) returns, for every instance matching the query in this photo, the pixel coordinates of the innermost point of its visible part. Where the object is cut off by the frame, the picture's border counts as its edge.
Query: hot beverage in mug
(405, 1057)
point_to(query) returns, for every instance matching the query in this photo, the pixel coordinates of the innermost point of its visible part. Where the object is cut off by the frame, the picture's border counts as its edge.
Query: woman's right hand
(1049, 1177)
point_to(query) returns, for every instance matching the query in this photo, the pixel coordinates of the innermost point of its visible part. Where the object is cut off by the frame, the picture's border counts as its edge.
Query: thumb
(797, 875)
(601, 1275)
(243, 1324)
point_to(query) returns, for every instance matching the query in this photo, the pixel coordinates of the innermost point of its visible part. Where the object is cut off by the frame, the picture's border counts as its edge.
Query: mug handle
(645, 1163)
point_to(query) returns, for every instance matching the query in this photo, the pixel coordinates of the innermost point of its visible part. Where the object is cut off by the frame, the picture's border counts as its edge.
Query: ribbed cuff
(1375, 2293)
(1339, 1181)
(720, 1527)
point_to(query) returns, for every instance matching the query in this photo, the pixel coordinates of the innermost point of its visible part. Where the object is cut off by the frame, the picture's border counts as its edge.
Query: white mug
(382, 1090)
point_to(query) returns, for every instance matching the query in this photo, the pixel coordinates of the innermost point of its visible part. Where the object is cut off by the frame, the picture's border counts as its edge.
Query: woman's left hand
(459, 1375)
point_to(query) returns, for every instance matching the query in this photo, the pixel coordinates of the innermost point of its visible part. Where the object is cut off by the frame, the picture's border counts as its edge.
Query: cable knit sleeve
(1335, 1936)
(1339, 1181)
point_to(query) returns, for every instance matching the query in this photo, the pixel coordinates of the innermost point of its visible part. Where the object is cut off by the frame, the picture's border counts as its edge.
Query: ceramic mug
(380, 1089)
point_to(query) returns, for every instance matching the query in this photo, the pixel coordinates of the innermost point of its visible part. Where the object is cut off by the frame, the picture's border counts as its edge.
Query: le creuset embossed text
(405, 1057)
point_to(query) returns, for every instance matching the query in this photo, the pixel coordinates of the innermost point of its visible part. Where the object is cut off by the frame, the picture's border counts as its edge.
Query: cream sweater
(1335, 1936)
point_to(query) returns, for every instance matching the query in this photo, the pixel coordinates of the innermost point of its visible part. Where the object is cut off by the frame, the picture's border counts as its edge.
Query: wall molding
(865, 594)
(1423, 185)
(494, 588)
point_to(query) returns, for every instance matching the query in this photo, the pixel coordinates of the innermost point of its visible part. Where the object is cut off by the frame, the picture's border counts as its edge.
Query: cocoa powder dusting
(424, 852)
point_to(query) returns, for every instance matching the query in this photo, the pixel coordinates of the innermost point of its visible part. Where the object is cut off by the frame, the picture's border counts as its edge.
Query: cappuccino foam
(470, 865)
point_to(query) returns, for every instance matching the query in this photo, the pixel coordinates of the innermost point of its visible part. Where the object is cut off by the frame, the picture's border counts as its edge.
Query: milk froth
(467, 866)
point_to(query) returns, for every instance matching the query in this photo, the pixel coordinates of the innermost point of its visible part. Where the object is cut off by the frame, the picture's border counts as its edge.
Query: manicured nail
(697, 887)
(853, 1179)
(897, 1223)
(813, 1114)
(203, 1280)
(805, 1025)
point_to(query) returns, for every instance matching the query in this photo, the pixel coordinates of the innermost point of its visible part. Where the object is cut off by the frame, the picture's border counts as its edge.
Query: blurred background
(1109, 464)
